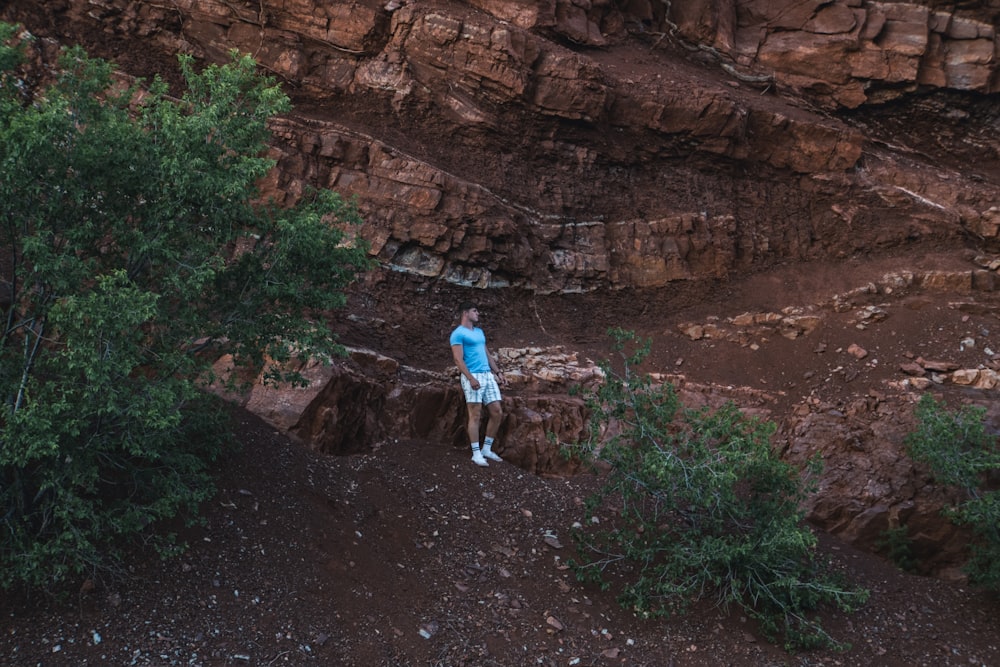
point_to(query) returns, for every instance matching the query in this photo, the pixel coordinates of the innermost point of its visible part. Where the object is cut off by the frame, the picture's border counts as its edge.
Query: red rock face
(565, 147)
(551, 149)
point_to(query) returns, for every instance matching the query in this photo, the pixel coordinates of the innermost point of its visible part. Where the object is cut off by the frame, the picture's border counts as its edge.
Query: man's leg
(475, 416)
(494, 414)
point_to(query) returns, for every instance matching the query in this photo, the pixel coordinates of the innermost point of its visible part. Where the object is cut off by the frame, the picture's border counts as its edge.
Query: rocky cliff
(567, 146)
(623, 162)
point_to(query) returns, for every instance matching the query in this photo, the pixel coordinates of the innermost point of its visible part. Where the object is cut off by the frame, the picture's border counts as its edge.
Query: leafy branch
(701, 508)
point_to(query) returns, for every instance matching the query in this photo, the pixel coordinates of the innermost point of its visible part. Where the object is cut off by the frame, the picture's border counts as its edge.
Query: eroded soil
(411, 555)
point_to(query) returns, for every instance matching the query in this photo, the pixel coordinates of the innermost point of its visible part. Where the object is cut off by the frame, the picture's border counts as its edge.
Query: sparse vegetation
(961, 454)
(701, 508)
(895, 544)
(342, 560)
(136, 252)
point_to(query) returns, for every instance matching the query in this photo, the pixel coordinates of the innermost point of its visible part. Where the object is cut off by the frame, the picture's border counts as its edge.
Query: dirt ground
(403, 318)
(411, 555)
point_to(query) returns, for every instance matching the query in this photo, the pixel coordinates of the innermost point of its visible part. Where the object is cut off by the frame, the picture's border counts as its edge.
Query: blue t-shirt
(473, 342)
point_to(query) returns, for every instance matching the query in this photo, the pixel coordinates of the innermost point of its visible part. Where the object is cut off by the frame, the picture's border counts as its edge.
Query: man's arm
(459, 355)
(493, 365)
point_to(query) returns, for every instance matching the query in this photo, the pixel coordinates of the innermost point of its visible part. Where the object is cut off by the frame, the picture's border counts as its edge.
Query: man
(479, 381)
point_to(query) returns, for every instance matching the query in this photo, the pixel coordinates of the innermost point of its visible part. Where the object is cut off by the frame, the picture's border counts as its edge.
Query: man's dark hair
(464, 306)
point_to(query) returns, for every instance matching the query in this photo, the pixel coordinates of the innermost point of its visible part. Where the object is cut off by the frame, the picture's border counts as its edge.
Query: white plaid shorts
(488, 392)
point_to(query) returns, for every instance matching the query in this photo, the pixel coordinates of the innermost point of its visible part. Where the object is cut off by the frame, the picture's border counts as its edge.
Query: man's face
(472, 314)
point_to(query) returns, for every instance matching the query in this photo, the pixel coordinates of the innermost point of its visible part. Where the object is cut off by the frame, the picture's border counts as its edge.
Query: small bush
(137, 251)
(896, 545)
(707, 510)
(961, 454)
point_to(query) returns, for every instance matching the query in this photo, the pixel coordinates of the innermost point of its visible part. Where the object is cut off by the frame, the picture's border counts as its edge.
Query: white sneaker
(488, 453)
(478, 459)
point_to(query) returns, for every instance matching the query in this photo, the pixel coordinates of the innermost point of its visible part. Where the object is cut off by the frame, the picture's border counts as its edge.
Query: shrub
(896, 545)
(707, 510)
(961, 454)
(135, 252)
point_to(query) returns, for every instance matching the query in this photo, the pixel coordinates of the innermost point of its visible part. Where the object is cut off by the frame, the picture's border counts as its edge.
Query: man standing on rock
(479, 381)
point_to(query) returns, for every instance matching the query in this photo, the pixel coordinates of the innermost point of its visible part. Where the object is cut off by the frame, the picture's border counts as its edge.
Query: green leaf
(701, 507)
(142, 252)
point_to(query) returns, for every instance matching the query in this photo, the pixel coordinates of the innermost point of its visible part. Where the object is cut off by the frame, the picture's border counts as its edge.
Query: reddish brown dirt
(345, 561)
(307, 559)
(406, 320)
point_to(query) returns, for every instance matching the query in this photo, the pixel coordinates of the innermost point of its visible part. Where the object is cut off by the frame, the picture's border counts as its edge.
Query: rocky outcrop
(566, 146)
(869, 484)
(351, 405)
(852, 52)
(607, 153)
(801, 320)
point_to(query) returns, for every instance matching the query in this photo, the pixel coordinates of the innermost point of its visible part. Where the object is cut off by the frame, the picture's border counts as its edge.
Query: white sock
(475, 447)
(488, 443)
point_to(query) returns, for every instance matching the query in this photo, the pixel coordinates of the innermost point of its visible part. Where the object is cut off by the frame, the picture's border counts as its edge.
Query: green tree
(704, 509)
(136, 250)
(961, 454)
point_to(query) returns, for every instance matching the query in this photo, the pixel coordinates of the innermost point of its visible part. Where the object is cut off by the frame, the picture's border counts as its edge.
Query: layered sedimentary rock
(850, 53)
(366, 399)
(568, 146)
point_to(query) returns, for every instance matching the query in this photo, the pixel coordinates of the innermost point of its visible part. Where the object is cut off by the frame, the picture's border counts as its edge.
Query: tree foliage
(961, 454)
(704, 509)
(135, 250)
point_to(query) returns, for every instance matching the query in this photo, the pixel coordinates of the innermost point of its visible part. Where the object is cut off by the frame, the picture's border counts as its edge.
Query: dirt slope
(352, 561)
